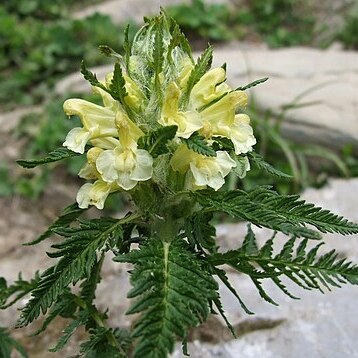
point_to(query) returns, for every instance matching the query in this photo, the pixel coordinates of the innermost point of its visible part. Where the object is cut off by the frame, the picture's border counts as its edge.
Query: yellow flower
(125, 165)
(89, 170)
(219, 119)
(205, 171)
(210, 87)
(98, 122)
(94, 194)
(188, 122)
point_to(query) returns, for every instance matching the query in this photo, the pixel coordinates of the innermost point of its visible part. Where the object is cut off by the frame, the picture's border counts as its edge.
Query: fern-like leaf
(252, 84)
(19, 289)
(91, 77)
(8, 344)
(173, 293)
(198, 144)
(203, 64)
(156, 142)
(78, 254)
(262, 164)
(303, 267)
(54, 156)
(99, 346)
(287, 213)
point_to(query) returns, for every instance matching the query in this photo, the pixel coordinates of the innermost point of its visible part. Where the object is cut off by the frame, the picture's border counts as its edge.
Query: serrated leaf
(262, 164)
(200, 232)
(69, 215)
(19, 288)
(286, 213)
(91, 77)
(252, 84)
(70, 329)
(117, 87)
(201, 67)
(54, 156)
(106, 342)
(155, 142)
(177, 294)
(198, 144)
(8, 344)
(304, 268)
(78, 254)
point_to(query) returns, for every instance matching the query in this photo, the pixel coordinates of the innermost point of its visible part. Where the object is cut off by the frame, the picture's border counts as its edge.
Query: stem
(99, 321)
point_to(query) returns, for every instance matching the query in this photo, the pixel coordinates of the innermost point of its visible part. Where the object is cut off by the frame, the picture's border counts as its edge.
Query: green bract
(169, 132)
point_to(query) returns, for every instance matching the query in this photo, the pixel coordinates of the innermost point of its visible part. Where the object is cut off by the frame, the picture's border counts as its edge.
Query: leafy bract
(156, 142)
(173, 292)
(198, 144)
(53, 156)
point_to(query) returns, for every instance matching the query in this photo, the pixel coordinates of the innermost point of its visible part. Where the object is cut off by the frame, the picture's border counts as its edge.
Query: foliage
(8, 344)
(278, 22)
(34, 54)
(348, 34)
(208, 21)
(161, 138)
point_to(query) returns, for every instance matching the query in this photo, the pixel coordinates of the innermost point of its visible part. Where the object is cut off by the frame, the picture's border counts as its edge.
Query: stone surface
(122, 11)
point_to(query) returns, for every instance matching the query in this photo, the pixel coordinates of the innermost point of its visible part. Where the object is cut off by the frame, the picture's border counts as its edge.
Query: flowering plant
(169, 132)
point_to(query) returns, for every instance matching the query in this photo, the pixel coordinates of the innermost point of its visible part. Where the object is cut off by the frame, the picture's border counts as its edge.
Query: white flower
(205, 171)
(98, 122)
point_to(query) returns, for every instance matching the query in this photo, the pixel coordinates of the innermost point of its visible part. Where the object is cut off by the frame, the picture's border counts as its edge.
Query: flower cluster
(140, 98)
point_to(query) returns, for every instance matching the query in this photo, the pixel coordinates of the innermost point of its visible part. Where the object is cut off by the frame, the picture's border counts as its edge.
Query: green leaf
(20, 288)
(64, 307)
(78, 254)
(155, 142)
(200, 233)
(70, 329)
(304, 268)
(286, 213)
(262, 164)
(7, 344)
(53, 156)
(91, 77)
(252, 84)
(109, 52)
(99, 346)
(117, 87)
(242, 165)
(201, 67)
(173, 292)
(198, 144)
(69, 215)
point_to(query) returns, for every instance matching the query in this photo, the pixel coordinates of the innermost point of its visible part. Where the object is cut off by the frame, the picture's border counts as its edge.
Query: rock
(123, 11)
(10, 120)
